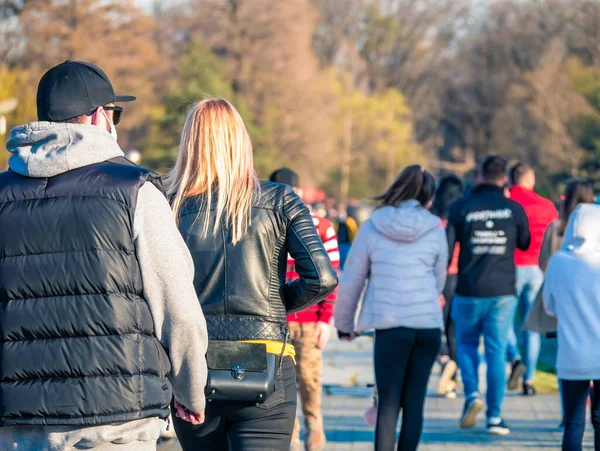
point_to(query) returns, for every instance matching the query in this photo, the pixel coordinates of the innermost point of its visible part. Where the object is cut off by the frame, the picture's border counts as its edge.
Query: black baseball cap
(285, 176)
(72, 89)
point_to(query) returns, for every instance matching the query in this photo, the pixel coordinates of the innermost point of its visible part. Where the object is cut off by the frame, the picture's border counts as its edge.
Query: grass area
(545, 367)
(546, 383)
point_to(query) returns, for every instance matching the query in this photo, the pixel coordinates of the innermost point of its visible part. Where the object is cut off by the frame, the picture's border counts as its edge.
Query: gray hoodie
(44, 149)
(402, 253)
(572, 294)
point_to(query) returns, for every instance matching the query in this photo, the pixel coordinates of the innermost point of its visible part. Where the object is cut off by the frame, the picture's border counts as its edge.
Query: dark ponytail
(578, 191)
(413, 183)
(449, 190)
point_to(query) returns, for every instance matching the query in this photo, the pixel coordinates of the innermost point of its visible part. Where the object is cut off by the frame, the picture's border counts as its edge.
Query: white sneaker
(496, 426)
(473, 406)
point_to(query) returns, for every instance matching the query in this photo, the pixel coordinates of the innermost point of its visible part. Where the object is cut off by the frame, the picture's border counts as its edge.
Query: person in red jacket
(540, 212)
(310, 330)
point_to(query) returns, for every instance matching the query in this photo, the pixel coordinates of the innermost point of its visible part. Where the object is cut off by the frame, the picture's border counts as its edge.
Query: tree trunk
(346, 159)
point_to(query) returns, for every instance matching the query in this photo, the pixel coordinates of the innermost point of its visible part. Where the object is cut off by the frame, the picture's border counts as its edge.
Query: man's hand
(188, 415)
(323, 332)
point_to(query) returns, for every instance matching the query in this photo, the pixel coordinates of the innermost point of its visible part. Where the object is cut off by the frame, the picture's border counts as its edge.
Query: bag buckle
(238, 372)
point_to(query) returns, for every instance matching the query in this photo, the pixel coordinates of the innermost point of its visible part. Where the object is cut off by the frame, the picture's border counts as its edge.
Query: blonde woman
(239, 232)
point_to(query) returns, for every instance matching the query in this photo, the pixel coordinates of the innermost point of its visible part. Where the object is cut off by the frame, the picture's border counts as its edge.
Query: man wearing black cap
(99, 320)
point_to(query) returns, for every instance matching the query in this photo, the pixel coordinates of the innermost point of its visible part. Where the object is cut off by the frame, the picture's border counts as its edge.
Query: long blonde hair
(215, 159)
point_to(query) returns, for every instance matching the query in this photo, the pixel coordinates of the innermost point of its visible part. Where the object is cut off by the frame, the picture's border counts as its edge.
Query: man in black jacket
(489, 228)
(100, 324)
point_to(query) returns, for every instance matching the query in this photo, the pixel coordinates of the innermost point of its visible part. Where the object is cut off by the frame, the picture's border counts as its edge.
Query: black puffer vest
(77, 338)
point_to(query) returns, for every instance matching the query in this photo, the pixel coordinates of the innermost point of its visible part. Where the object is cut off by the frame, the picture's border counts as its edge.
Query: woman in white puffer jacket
(402, 255)
(572, 294)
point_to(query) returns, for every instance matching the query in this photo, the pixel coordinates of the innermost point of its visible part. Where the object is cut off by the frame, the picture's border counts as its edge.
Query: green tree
(585, 128)
(267, 50)
(586, 80)
(376, 139)
(17, 84)
(201, 76)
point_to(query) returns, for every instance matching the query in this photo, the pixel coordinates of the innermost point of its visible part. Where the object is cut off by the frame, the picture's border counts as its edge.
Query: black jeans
(246, 427)
(574, 397)
(449, 347)
(403, 361)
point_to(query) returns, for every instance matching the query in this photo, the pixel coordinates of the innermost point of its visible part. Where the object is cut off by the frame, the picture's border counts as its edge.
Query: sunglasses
(117, 110)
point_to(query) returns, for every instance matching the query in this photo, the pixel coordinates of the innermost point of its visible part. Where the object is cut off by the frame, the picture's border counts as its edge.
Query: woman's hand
(442, 301)
(346, 336)
(350, 337)
(188, 415)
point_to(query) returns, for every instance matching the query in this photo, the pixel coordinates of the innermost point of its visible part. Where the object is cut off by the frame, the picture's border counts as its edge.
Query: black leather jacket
(242, 287)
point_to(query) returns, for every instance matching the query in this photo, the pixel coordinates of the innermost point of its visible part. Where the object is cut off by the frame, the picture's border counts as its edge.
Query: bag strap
(285, 342)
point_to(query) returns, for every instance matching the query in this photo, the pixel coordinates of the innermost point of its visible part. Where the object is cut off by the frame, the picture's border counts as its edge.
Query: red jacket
(453, 268)
(323, 311)
(540, 212)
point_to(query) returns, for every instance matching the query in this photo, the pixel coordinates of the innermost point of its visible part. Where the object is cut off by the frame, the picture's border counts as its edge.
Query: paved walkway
(348, 370)
(533, 420)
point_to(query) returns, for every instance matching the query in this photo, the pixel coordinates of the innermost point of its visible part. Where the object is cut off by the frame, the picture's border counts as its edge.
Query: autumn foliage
(345, 91)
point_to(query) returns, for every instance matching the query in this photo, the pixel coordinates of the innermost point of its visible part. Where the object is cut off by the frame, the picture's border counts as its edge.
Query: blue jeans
(490, 317)
(529, 283)
(344, 249)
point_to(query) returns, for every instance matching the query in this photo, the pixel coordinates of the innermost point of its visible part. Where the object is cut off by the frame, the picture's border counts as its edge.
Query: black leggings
(575, 395)
(403, 361)
(449, 346)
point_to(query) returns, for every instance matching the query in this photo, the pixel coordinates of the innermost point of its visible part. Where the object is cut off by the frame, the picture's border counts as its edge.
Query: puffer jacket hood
(405, 223)
(582, 234)
(47, 149)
